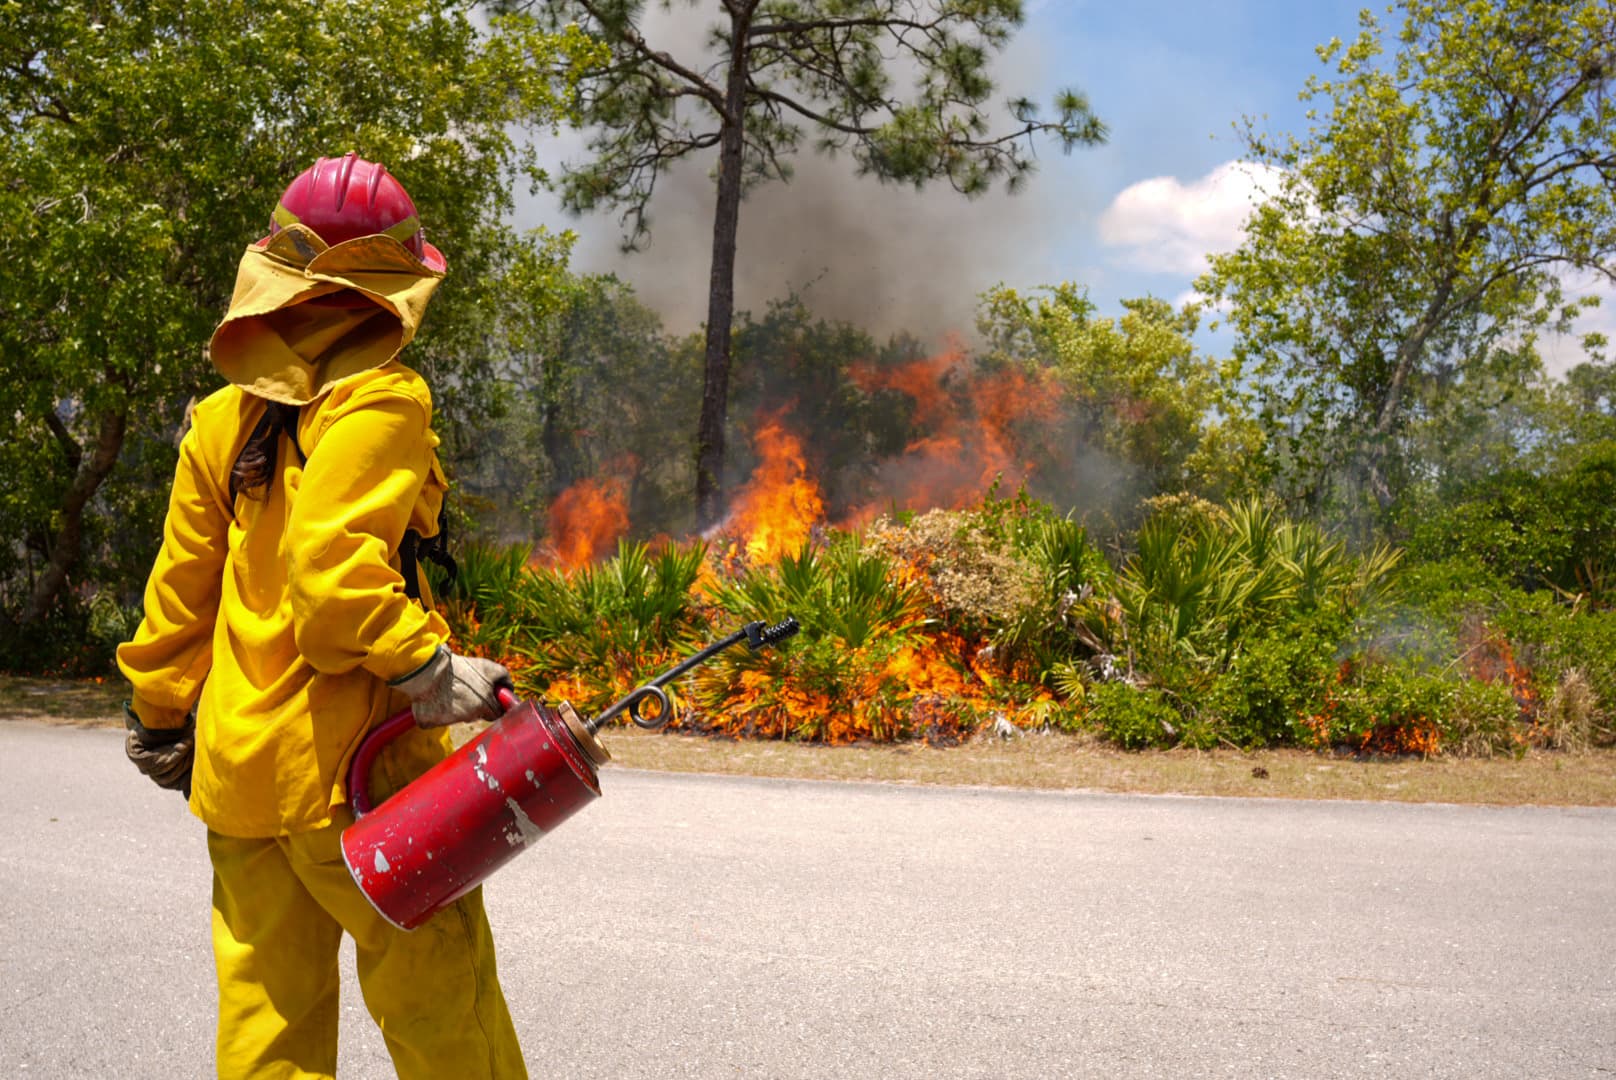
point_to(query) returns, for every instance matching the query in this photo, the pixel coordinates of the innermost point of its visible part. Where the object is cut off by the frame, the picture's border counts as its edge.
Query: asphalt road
(717, 927)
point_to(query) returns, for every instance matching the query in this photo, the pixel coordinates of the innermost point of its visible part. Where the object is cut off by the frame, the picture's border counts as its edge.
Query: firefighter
(286, 616)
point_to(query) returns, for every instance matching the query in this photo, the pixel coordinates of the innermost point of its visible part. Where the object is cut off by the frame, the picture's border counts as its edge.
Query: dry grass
(66, 700)
(1065, 762)
(1054, 762)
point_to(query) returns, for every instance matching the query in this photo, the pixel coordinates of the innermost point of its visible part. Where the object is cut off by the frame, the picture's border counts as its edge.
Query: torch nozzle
(758, 635)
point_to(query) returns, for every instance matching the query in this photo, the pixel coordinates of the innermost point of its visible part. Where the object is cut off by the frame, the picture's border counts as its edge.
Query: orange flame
(779, 506)
(967, 446)
(1490, 658)
(587, 519)
(923, 381)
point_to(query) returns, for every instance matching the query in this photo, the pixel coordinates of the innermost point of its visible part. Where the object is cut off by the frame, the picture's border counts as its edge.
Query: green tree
(1137, 390)
(1415, 234)
(597, 390)
(143, 145)
(776, 70)
(1583, 408)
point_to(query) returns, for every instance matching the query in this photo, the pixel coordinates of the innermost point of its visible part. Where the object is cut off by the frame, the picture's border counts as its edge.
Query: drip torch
(443, 834)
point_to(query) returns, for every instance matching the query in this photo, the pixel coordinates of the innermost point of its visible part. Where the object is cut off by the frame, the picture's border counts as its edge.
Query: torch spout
(757, 635)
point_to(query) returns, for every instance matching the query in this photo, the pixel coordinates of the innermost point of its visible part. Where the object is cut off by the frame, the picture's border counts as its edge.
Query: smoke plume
(884, 257)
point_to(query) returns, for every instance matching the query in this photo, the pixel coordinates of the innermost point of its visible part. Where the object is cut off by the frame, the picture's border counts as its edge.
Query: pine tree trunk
(710, 503)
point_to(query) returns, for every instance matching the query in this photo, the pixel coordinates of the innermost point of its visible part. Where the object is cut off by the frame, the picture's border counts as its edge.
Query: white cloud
(1167, 226)
(1210, 308)
(1562, 352)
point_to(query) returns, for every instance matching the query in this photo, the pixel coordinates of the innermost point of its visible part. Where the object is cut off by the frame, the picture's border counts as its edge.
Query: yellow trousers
(280, 908)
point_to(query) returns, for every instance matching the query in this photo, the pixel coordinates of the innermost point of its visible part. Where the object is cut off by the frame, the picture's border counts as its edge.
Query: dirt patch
(72, 701)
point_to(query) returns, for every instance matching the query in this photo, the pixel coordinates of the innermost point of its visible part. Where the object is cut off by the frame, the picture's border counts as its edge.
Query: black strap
(289, 421)
(406, 563)
(433, 548)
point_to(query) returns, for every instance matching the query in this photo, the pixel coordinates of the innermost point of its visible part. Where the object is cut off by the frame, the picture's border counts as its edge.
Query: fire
(898, 684)
(922, 381)
(925, 671)
(780, 505)
(587, 519)
(1490, 658)
(1396, 733)
(1011, 397)
(971, 439)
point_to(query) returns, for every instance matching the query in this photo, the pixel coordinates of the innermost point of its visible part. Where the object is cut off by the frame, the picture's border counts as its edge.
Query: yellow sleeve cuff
(157, 717)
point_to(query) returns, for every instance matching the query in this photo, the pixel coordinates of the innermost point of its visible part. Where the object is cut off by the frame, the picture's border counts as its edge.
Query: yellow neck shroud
(305, 316)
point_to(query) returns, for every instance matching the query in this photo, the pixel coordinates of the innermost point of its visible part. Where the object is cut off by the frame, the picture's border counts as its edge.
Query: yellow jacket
(285, 612)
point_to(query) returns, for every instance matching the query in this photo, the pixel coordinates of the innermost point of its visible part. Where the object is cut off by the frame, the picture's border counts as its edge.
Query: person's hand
(451, 689)
(163, 754)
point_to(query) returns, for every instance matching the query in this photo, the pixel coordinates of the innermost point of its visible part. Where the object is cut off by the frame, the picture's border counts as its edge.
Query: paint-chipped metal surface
(453, 827)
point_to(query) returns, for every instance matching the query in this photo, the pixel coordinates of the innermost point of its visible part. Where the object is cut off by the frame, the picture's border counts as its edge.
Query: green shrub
(862, 667)
(1049, 630)
(1545, 635)
(1274, 683)
(1555, 639)
(1551, 530)
(1197, 587)
(1403, 706)
(1395, 707)
(110, 623)
(847, 590)
(588, 636)
(1133, 717)
(605, 628)
(480, 603)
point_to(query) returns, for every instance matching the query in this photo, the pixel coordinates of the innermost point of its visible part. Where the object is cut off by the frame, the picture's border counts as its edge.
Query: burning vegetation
(901, 613)
(777, 510)
(935, 608)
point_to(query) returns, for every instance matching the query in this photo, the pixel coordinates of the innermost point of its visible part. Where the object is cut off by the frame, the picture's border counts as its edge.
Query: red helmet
(348, 197)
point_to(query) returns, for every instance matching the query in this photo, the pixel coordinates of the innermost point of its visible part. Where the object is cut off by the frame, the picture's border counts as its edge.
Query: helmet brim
(433, 258)
(430, 256)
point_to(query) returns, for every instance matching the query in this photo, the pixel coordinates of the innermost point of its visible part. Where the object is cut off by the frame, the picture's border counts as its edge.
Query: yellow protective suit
(281, 615)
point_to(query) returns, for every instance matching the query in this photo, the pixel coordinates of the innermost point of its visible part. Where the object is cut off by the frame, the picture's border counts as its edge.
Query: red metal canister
(532, 769)
(446, 832)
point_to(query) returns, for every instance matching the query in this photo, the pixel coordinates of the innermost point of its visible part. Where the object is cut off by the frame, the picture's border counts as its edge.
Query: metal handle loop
(636, 703)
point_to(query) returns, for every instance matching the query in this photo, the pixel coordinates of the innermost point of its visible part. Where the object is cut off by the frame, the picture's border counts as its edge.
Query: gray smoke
(883, 257)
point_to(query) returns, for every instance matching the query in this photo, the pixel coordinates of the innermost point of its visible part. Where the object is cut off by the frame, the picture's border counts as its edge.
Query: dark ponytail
(255, 465)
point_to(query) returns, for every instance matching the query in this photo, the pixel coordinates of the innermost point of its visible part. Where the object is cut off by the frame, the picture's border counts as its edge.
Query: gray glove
(163, 754)
(453, 689)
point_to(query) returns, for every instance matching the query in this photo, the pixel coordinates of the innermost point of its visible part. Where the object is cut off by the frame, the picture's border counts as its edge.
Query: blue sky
(1131, 218)
(1172, 79)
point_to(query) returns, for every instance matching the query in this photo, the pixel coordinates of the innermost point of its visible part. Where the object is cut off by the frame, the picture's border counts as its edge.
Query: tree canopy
(1414, 243)
(144, 145)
